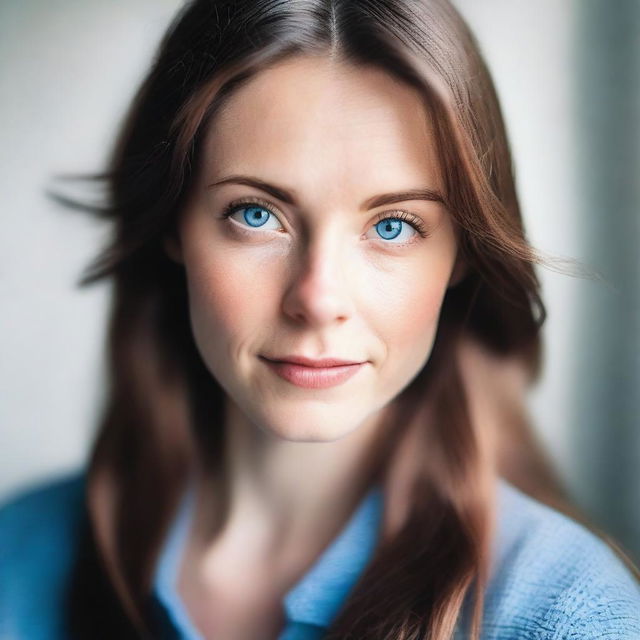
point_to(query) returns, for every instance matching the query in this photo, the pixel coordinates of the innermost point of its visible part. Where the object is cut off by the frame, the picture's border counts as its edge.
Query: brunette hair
(158, 413)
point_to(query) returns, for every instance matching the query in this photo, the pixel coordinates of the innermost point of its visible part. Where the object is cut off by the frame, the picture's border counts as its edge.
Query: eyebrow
(286, 195)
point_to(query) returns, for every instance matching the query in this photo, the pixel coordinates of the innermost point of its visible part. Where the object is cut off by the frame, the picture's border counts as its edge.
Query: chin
(303, 436)
(307, 426)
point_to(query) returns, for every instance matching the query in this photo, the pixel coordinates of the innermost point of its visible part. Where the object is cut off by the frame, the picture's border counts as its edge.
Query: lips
(318, 363)
(318, 375)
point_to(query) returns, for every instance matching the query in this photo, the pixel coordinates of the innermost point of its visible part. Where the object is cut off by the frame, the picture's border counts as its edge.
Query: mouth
(320, 363)
(314, 376)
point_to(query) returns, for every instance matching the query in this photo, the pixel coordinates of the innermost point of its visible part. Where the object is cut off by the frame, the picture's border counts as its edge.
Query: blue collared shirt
(314, 601)
(551, 578)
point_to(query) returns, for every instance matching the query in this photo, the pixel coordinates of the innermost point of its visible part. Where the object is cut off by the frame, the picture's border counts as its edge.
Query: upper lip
(310, 362)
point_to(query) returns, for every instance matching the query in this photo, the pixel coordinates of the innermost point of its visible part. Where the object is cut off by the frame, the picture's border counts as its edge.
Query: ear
(172, 247)
(459, 271)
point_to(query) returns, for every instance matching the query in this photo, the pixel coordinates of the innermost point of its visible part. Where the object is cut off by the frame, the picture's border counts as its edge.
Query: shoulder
(38, 531)
(40, 518)
(553, 579)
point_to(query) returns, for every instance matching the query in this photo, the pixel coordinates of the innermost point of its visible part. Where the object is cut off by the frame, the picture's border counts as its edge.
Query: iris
(389, 226)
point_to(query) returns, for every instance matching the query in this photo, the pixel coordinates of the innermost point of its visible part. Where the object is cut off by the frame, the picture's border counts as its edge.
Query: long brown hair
(162, 401)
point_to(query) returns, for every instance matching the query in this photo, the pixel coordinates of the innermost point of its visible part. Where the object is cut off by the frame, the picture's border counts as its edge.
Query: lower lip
(314, 377)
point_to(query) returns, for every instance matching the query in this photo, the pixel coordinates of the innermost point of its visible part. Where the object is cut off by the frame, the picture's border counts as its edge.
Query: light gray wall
(67, 73)
(606, 400)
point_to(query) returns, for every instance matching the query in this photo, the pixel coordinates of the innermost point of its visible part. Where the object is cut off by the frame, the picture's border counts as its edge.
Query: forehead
(321, 125)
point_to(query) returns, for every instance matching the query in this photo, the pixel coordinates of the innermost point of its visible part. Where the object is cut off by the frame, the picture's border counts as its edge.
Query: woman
(321, 285)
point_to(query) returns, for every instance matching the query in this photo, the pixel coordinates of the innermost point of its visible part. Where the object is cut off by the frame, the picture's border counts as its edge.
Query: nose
(318, 293)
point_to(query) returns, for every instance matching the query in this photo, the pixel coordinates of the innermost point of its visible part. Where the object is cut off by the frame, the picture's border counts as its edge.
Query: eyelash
(414, 222)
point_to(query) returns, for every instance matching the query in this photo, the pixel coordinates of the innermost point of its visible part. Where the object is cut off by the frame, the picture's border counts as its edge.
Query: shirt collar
(167, 568)
(317, 597)
(319, 594)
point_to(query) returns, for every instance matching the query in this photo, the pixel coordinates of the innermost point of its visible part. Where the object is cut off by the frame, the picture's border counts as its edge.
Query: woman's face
(323, 270)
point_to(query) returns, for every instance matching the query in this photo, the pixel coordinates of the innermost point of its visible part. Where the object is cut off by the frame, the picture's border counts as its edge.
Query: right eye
(253, 214)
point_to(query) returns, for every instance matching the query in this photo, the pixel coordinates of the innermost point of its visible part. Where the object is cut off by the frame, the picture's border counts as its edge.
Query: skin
(317, 279)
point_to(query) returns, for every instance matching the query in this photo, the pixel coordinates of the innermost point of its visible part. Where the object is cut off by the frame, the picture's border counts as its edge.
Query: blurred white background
(67, 73)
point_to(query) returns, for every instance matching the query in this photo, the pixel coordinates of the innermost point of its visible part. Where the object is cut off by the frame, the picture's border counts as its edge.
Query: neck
(277, 499)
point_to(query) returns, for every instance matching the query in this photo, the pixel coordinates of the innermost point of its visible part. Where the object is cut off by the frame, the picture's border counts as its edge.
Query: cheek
(408, 301)
(228, 297)
(411, 313)
(406, 308)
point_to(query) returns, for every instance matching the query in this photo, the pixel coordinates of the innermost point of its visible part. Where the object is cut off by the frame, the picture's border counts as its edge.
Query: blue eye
(403, 226)
(254, 215)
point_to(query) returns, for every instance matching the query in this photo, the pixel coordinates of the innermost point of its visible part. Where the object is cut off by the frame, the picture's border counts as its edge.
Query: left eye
(392, 228)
